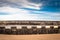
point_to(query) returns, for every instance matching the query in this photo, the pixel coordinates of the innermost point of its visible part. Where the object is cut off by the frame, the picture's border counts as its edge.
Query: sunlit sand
(31, 37)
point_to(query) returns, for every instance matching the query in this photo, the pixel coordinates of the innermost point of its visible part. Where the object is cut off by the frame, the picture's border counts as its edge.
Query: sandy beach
(31, 37)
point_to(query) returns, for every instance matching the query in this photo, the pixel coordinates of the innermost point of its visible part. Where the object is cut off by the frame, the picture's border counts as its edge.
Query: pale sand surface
(30, 37)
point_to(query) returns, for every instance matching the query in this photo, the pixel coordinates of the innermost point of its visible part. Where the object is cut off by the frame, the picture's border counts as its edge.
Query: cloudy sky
(30, 10)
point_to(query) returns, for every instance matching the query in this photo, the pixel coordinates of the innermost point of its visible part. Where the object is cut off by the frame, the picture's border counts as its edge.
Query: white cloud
(53, 14)
(16, 14)
(22, 4)
(21, 14)
(13, 10)
(33, 6)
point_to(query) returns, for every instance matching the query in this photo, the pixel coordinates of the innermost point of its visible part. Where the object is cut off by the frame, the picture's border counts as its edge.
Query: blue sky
(45, 10)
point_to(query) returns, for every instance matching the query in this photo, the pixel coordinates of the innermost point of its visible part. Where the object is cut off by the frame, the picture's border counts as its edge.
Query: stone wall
(29, 27)
(29, 22)
(32, 30)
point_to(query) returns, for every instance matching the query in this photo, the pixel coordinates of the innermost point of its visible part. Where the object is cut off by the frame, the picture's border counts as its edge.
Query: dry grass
(31, 37)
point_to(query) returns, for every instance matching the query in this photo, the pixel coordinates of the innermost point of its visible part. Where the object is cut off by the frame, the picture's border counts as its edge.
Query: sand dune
(31, 37)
